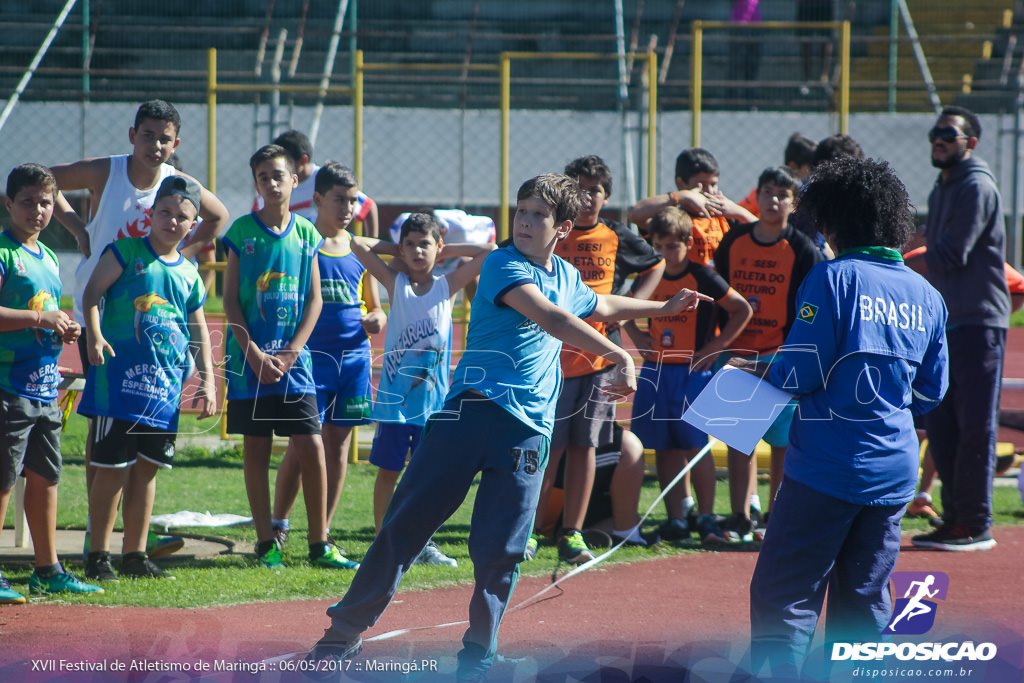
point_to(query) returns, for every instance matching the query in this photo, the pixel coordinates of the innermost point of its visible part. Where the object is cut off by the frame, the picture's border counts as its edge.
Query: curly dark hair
(858, 203)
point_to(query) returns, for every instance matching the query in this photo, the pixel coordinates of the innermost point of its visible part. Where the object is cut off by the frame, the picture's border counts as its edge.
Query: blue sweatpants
(815, 541)
(467, 437)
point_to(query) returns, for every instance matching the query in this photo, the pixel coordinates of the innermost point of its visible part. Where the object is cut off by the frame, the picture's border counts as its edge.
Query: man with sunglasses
(966, 238)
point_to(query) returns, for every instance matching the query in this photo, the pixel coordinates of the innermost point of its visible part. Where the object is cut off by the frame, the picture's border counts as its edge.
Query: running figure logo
(914, 613)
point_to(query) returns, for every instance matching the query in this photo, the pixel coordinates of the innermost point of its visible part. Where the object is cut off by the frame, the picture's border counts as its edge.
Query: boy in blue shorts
(272, 301)
(339, 347)
(32, 328)
(153, 313)
(678, 353)
(853, 454)
(417, 347)
(496, 422)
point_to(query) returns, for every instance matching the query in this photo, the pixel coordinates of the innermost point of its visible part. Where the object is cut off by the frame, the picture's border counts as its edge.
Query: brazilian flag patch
(807, 312)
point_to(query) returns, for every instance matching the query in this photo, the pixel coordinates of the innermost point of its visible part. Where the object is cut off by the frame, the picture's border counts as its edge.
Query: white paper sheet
(737, 408)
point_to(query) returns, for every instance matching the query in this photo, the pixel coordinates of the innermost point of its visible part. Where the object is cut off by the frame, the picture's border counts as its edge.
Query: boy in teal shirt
(272, 301)
(32, 327)
(139, 358)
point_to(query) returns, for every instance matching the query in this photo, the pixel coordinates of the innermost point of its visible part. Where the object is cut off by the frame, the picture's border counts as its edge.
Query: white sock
(924, 495)
(688, 504)
(280, 523)
(755, 501)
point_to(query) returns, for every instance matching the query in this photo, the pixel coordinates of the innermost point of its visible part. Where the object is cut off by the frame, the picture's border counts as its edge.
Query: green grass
(206, 479)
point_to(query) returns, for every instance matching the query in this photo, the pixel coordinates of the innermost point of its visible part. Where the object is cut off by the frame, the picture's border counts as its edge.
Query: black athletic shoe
(957, 538)
(98, 567)
(335, 646)
(139, 566)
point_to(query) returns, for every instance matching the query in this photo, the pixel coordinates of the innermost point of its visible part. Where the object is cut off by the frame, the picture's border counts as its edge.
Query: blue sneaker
(161, 546)
(59, 583)
(333, 559)
(8, 596)
(272, 559)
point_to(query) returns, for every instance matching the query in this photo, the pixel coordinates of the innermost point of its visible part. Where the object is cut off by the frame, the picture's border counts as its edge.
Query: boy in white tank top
(121, 194)
(417, 345)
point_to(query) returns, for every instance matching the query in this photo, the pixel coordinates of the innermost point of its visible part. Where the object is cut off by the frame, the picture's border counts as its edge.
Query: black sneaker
(957, 538)
(139, 566)
(739, 528)
(98, 567)
(674, 530)
(647, 539)
(710, 533)
(335, 646)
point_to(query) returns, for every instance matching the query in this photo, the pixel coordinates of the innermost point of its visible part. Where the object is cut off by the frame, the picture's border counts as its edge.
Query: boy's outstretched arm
(206, 394)
(740, 313)
(312, 306)
(611, 307)
(108, 269)
(215, 217)
(528, 300)
(366, 250)
(267, 368)
(466, 272)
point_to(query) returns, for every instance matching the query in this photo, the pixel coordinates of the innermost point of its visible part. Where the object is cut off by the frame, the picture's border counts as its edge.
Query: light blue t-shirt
(274, 273)
(28, 357)
(509, 358)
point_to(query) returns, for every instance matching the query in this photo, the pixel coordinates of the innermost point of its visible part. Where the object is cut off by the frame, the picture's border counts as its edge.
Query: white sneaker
(431, 554)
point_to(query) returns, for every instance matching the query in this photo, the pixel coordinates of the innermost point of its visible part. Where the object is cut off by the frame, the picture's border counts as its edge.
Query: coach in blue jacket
(866, 353)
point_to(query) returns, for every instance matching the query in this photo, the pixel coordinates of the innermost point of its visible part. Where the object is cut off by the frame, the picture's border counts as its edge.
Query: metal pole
(357, 118)
(325, 79)
(922, 63)
(211, 119)
(40, 53)
(894, 53)
(86, 59)
(652, 123)
(696, 58)
(503, 173)
(1014, 255)
(623, 101)
(844, 78)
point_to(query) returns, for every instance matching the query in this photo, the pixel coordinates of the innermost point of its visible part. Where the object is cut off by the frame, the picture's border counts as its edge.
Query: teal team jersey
(145, 321)
(509, 358)
(28, 357)
(274, 273)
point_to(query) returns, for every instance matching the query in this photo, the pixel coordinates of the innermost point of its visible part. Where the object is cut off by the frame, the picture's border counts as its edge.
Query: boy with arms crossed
(272, 301)
(678, 353)
(339, 348)
(32, 327)
(417, 347)
(153, 309)
(502, 401)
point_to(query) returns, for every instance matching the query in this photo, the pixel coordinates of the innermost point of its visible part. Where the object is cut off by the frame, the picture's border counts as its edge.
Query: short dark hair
(695, 160)
(591, 166)
(30, 175)
(558, 191)
(835, 147)
(799, 150)
(158, 110)
(333, 174)
(427, 223)
(268, 152)
(781, 176)
(296, 144)
(670, 222)
(858, 203)
(972, 124)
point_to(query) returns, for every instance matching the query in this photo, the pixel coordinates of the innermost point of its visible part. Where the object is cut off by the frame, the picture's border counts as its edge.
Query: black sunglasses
(947, 135)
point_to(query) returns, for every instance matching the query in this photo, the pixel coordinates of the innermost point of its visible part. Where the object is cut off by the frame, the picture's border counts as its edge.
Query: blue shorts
(663, 393)
(392, 444)
(343, 389)
(778, 433)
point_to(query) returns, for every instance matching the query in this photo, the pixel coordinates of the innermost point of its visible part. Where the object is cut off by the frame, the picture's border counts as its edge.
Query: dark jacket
(966, 237)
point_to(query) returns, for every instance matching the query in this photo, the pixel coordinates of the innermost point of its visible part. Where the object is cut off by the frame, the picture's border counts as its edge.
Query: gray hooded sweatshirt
(966, 235)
